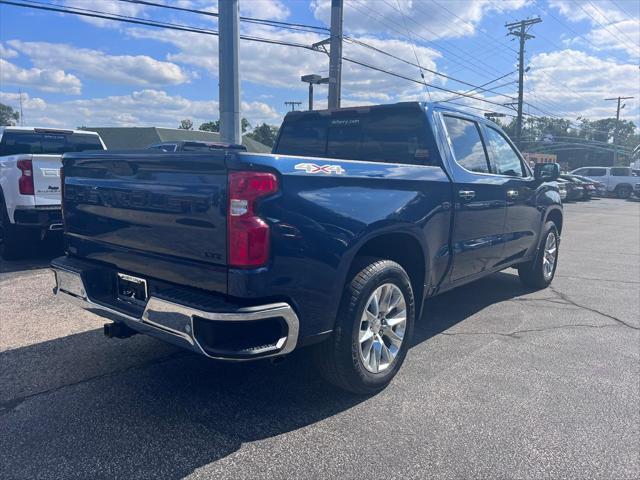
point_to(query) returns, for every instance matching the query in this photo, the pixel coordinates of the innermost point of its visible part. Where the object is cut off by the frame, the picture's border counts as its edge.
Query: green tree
(215, 126)
(8, 116)
(186, 124)
(245, 125)
(265, 134)
(210, 126)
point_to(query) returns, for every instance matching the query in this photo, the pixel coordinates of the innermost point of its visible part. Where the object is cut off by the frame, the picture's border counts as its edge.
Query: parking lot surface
(502, 382)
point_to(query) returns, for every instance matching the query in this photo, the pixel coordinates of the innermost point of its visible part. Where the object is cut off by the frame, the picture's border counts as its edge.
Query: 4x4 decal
(326, 169)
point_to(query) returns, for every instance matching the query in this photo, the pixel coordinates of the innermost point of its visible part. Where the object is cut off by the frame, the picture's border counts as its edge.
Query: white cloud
(6, 52)
(140, 108)
(267, 9)
(120, 69)
(435, 20)
(108, 6)
(48, 80)
(612, 27)
(577, 84)
(281, 66)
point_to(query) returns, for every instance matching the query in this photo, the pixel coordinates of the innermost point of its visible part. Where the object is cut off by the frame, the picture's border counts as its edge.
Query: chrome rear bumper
(176, 323)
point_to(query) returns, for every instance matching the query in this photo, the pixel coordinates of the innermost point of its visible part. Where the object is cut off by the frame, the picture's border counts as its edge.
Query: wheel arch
(401, 247)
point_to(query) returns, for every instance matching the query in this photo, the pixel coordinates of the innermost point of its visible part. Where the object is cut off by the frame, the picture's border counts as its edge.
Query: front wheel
(373, 330)
(540, 272)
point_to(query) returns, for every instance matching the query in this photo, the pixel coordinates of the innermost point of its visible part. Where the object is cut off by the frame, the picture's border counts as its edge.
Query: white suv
(30, 160)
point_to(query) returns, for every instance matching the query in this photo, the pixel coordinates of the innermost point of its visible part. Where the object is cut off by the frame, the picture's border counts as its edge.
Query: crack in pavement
(599, 279)
(590, 309)
(10, 405)
(515, 334)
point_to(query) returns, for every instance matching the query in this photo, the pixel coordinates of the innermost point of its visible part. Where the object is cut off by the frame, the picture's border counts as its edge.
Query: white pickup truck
(30, 160)
(619, 181)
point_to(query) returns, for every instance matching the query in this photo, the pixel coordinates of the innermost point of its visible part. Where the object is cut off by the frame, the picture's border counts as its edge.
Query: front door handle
(512, 193)
(466, 194)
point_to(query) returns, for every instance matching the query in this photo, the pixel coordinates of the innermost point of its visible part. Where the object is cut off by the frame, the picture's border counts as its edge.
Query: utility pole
(229, 78)
(615, 131)
(293, 105)
(520, 29)
(335, 54)
(21, 114)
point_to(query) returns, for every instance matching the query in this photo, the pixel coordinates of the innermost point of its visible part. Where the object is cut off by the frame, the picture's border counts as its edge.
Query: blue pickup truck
(333, 241)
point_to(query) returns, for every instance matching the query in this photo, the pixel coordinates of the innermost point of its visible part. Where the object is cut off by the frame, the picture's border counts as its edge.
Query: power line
(180, 27)
(413, 47)
(295, 26)
(603, 26)
(612, 24)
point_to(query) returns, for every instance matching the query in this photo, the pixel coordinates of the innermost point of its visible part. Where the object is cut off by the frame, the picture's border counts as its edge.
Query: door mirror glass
(546, 171)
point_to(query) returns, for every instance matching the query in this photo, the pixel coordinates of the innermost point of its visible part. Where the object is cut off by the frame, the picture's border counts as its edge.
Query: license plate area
(132, 289)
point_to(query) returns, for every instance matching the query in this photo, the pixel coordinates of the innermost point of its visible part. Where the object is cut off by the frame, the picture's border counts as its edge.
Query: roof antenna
(413, 46)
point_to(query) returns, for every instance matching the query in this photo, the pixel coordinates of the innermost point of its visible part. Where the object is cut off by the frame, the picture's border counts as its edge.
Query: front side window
(467, 144)
(504, 159)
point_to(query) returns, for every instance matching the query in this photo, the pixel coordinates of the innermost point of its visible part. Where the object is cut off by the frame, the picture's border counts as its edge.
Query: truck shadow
(82, 406)
(36, 255)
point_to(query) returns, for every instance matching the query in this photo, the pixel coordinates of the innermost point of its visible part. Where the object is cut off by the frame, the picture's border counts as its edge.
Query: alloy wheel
(550, 255)
(382, 327)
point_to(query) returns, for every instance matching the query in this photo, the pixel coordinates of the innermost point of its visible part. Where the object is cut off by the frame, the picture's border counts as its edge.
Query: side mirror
(546, 171)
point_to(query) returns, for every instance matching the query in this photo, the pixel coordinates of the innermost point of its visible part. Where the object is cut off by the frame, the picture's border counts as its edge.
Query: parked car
(636, 190)
(575, 190)
(600, 188)
(618, 180)
(30, 182)
(562, 189)
(334, 240)
(588, 186)
(194, 146)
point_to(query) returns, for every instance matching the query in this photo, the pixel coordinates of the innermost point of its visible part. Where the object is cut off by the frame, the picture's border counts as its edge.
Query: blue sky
(78, 71)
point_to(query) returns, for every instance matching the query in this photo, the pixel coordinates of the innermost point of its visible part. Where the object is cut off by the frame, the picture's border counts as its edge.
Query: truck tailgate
(149, 213)
(46, 179)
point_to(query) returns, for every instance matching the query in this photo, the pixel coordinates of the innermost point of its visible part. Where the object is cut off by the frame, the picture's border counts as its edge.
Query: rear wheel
(540, 272)
(373, 330)
(623, 191)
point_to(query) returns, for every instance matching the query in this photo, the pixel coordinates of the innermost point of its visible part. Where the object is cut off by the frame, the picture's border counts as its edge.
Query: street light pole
(312, 80)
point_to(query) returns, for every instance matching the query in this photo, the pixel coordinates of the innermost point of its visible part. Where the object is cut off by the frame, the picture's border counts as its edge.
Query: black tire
(339, 358)
(623, 191)
(532, 274)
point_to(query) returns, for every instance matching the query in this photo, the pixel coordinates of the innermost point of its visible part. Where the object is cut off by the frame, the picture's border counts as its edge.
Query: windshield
(16, 142)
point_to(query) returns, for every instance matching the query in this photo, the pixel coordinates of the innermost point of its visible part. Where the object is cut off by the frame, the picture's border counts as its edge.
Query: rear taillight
(25, 182)
(248, 234)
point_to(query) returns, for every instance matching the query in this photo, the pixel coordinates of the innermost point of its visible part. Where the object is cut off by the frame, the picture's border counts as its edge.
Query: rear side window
(14, 143)
(374, 136)
(620, 172)
(306, 136)
(467, 144)
(595, 172)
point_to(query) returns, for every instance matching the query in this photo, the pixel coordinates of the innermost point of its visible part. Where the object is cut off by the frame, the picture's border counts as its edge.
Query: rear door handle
(512, 193)
(466, 194)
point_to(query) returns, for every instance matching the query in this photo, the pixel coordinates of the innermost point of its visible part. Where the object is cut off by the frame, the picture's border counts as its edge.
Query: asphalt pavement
(502, 382)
